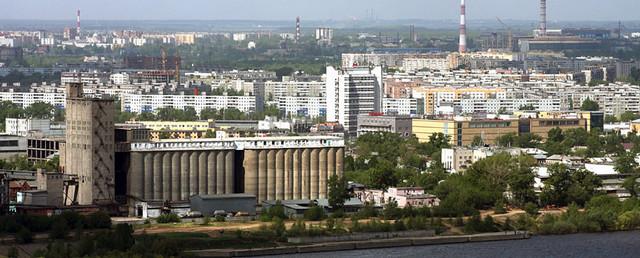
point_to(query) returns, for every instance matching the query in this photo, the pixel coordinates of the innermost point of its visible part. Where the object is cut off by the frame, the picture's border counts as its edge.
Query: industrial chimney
(463, 28)
(78, 25)
(543, 17)
(297, 29)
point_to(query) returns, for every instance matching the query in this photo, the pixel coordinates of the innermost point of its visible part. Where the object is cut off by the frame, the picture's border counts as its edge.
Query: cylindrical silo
(148, 175)
(166, 176)
(262, 175)
(306, 177)
(211, 172)
(331, 162)
(229, 162)
(202, 173)
(193, 173)
(288, 174)
(175, 176)
(280, 174)
(250, 164)
(136, 175)
(340, 162)
(314, 174)
(184, 175)
(220, 173)
(271, 174)
(297, 174)
(323, 173)
(157, 176)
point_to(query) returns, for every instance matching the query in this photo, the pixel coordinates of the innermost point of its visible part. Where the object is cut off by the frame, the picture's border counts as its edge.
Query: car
(192, 214)
(219, 213)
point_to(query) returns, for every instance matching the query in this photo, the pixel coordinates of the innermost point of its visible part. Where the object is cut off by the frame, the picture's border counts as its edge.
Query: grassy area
(183, 235)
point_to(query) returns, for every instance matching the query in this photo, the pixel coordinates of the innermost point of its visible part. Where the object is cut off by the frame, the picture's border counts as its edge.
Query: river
(609, 245)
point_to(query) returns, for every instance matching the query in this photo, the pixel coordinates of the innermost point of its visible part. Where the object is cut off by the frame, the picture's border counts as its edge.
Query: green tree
(626, 163)
(40, 110)
(338, 191)
(477, 141)
(629, 116)
(507, 140)
(589, 105)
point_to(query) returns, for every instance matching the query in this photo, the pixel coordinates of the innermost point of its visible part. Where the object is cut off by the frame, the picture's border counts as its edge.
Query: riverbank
(360, 245)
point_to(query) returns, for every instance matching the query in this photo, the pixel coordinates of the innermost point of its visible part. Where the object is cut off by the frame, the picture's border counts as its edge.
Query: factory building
(274, 168)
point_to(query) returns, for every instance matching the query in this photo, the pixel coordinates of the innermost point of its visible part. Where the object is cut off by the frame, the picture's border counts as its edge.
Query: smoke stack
(297, 29)
(463, 28)
(543, 17)
(78, 24)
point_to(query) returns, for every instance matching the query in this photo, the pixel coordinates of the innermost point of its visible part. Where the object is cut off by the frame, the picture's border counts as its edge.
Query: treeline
(190, 114)
(38, 110)
(26, 80)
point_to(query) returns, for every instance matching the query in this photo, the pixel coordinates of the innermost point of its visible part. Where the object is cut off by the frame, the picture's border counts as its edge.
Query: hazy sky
(559, 10)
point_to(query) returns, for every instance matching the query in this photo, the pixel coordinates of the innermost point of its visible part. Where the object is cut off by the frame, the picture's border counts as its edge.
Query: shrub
(24, 236)
(564, 227)
(391, 211)
(629, 220)
(206, 220)
(12, 252)
(499, 207)
(531, 208)
(398, 225)
(220, 218)
(99, 220)
(168, 218)
(314, 213)
(458, 222)
(59, 229)
(278, 227)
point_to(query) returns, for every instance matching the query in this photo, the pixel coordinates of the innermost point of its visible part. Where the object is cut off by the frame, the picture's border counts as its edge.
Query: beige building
(89, 146)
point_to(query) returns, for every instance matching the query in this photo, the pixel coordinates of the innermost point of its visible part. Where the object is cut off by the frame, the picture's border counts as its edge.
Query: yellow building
(461, 133)
(176, 130)
(593, 119)
(432, 96)
(185, 39)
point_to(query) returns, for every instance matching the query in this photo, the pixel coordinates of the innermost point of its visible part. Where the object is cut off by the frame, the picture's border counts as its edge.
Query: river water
(608, 245)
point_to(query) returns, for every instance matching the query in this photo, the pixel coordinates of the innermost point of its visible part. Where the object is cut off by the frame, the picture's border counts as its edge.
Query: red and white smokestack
(297, 29)
(543, 17)
(78, 24)
(463, 28)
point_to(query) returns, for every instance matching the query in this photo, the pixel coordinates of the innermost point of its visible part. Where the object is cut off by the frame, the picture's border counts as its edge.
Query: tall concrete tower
(543, 17)
(78, 24)
(297, 29)
(463, 28)
(89, 148)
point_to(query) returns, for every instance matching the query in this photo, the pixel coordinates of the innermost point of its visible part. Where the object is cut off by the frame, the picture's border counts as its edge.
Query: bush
(391, 211)
(314, 213)
(531, 208)
(99, 220)
(24, 236)
(499, 207)
(629, 220)
(206, 220)
(278, 227)
(13, 252)
(368, 211)
(59, 229)
(168, 218)
(220, 218)
(564, 227)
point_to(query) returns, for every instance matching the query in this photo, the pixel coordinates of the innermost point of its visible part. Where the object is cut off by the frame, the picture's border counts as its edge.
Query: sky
(559, 10)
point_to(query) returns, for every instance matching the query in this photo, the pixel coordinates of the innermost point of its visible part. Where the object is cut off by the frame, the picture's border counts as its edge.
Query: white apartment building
(119, 78)
(493, 105)
(351, 92)
(26, 99)
(22, 126)
(403, 107)
(150, 103)
(294, 89)
(303, 106)
(416, 64)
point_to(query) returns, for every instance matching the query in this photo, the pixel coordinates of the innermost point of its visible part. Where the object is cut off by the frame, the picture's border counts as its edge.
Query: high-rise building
(351, 92)
(89, 147)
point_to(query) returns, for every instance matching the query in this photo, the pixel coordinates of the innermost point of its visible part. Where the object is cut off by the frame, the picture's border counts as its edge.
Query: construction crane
(177, 60)
(164, 63)
(510, 34)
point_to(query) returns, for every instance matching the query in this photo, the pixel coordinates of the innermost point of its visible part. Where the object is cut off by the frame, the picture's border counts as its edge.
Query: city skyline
(567, 10)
